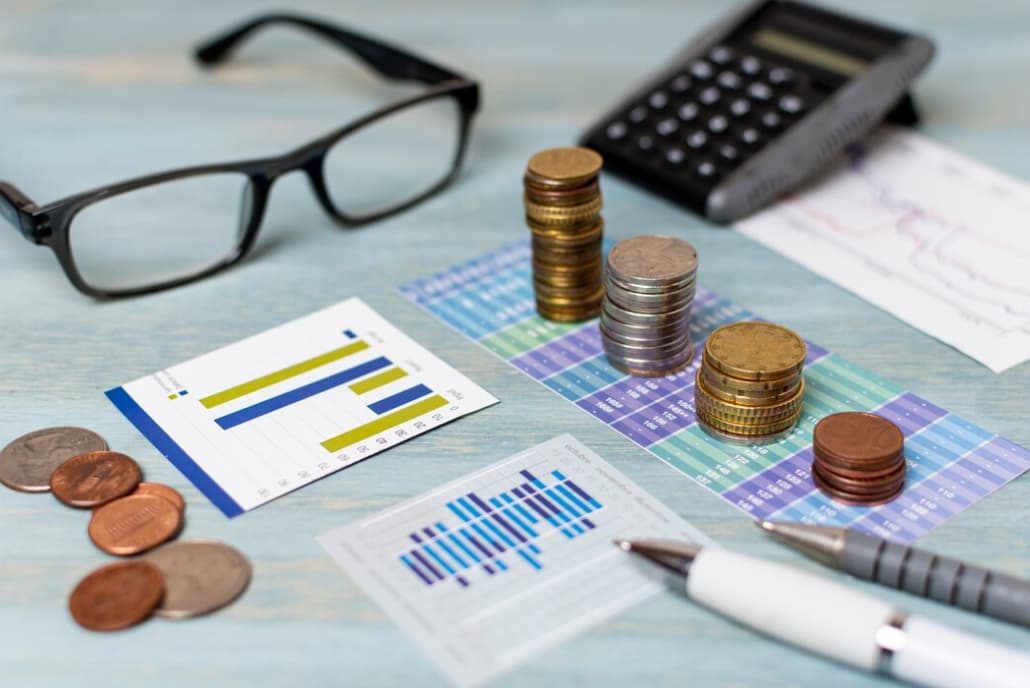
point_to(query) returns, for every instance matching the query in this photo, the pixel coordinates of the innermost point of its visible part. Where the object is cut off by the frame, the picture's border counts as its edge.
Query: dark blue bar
(571, 496)
(517, 492)
(582, 493)
(259, 409)
(411, 565)
(524, 513)
(498, 532)
(463, 547)
(543, 500)
(503, 522)
(350, 334)
(543, 514)
(479, 502)
(428, 531)
(437, 558)
(486, 536)
(588, 523)
(464, 583)
(451, 553)
(528, 476)
(488, 569)
(399, 399)
(553, 494)
(471, 538)
(416, 538)
(422, 560)
(518, 521)
(173, 452)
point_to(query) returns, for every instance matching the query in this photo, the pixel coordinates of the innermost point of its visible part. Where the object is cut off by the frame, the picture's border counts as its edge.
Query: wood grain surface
(93, 91)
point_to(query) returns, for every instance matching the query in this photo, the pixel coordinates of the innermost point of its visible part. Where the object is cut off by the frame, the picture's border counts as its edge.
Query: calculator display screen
(803, 50)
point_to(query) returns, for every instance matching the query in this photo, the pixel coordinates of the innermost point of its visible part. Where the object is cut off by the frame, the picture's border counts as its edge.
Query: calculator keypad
(708, 119)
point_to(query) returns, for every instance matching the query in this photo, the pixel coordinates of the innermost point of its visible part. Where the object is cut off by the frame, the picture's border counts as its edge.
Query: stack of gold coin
(645, 314)
(749, 387)
(563, 211)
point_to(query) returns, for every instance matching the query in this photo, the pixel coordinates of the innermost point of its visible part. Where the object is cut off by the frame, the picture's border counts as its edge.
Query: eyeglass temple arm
(19, 210)
(387, 60)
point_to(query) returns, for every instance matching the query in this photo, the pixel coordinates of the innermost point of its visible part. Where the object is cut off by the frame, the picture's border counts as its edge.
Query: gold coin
(563, 197)
(565, 232)
(755, 350)
(562, 215)
(734, 385)
(745, 430)
(563, 167)
(576, 292)
(728, 407)
(756, 399)
(566, 316)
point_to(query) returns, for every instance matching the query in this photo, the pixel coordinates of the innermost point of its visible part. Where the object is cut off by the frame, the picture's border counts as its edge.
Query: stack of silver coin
(645, 315)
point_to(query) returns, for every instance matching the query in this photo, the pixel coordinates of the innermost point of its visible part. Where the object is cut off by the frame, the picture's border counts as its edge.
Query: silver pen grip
(940, 578)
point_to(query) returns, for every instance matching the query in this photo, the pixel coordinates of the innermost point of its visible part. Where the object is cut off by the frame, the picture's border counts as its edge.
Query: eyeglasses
(167, 229)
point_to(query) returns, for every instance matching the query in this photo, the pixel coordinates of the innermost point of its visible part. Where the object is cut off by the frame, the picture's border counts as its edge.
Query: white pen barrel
(791, 604)
(935, 655)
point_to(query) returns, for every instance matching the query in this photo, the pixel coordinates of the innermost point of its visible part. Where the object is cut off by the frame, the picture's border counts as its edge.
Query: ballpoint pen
(913, 570)
(831, 619)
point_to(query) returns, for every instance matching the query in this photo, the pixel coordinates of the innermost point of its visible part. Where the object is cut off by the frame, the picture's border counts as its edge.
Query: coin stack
(645, 313)
(749, 387)
(858, 458)
(128, 517)
(563, 210)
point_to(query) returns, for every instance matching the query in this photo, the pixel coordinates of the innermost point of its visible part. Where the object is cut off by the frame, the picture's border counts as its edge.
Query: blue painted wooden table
(93, 91)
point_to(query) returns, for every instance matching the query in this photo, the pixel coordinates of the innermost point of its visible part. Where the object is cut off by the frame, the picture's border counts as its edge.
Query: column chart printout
(495, 567)
(930, 236)
(263, 416)
(952, 463)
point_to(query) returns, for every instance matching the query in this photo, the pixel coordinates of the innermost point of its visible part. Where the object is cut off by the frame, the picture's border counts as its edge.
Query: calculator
(758, 104)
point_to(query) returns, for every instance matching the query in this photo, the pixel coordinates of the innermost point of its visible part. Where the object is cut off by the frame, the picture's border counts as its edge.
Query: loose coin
(116, 596)
(93, 478)
(134, 524)
(200, 576)
(755, 350)
(163, 491)
(566, 167)
(27, 462)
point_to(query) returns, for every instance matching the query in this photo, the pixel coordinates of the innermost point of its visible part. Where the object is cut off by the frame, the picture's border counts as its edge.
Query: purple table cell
(1008, 456)
(657, 421)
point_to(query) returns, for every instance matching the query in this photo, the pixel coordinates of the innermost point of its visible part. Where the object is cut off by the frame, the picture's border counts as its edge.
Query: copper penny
(861, 484)
(93, 478)
(116, 596)
(849, 498)
(134, 524)
(163, 491)
(857, 440)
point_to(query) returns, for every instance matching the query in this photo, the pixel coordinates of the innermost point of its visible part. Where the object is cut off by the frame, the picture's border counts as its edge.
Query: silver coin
(630, 317)
(27, 462)
(686, 282)
(649, 303)
(648, 338)
(637, 366)
(652, 260)
(621, 330)
(200, 576)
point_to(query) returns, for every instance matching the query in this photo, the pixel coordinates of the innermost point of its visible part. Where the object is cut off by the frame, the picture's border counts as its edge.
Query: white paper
(476, 623)
(263, 416)
(932, 237)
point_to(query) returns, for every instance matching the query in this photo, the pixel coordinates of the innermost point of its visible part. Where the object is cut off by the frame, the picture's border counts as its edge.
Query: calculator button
(667, 126)
(781, 76)
(750, 65)
(658, 100)
(689, 112)
(645, 144)
(791, 104)
(750, 136)
(771, 120)
(740, 107)
(638, 114)
(709, 96)
(721, 55)
(702, 70)
(706, 169)
(759, 91)
(730, 80)
(697, 140)
(729, 153)
(616, 131)
(680, 84)
(718, 124)
(675, 156)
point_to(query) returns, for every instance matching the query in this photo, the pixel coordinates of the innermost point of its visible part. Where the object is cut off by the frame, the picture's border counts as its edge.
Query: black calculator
(758, 104)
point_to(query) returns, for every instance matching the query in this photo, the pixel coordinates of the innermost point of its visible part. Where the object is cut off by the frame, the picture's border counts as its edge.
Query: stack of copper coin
(749, 387)
(858, 458)
(563, 211)
(645, 314)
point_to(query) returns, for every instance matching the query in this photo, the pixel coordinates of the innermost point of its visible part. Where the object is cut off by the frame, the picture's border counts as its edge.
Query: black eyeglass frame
(49, 224)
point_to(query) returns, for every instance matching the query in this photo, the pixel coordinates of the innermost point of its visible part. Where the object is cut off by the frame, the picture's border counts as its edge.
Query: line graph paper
(934, 238)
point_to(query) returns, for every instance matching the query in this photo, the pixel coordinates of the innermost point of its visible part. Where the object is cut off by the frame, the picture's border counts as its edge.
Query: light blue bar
(486, 536)
(578, 528)
(498, 532)
(567, 533)
(467, 550)
(467, 507)
(552, 493)
(535, 548)
(441, 527)
(416, 570)
(526, 529)
(501, 565)
(538, 483)
(571, 496)
(450, 552)
(532, 562)
(523, 511)
(457, 512)
(439, 560)
(496, 502)
(558, 474)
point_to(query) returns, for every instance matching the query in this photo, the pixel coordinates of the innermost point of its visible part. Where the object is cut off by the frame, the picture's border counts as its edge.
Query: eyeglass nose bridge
(311, 162)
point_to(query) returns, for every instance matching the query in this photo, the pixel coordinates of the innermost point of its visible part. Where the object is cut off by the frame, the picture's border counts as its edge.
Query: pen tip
(624, 545)
(766, 525)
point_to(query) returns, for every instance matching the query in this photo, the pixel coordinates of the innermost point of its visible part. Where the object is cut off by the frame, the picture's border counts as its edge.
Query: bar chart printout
(504, 563)
(952, 463)
(263, 416)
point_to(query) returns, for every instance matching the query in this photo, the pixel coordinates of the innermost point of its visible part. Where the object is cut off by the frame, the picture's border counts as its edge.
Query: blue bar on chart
(493, 533)
(301, 393)
(399, 399)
